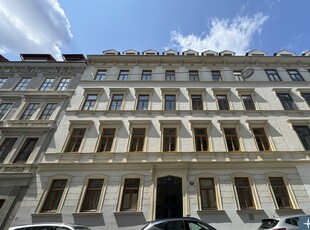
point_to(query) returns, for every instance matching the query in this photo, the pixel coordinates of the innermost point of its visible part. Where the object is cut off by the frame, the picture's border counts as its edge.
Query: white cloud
(33, 26)
(223, 34)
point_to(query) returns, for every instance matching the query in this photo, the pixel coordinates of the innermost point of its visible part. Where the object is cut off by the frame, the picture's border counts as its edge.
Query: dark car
(184, 223)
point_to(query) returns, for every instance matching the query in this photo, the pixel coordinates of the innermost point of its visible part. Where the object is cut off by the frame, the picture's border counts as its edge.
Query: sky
(87, 27)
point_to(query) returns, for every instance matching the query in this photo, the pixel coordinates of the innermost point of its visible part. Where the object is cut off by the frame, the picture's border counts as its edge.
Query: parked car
(50, 226)
(295, 222)
(184, 223)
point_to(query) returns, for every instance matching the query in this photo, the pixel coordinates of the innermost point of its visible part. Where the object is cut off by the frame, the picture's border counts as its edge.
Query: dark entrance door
(169, 202)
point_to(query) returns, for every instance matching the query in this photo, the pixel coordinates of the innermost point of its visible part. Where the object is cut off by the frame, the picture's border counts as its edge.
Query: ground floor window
(130, 194)
(92, 195)
(54, 195)
(280, 192)
(207, 193)
(244, 192)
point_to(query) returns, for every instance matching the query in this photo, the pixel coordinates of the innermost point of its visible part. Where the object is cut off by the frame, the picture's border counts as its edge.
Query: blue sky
(91, 26)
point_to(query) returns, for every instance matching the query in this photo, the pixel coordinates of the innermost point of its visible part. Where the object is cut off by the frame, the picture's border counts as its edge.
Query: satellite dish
(246, 73)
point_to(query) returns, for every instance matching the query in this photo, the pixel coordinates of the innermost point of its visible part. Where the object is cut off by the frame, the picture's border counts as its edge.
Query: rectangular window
(47, 84)
(31, 108)
(273, 75)
(286, 101)
(6, 147)
(4, 108)
(170, 102)
(222, 102)
(2, 81)
(123, 75)
(231, 139)
(248, 102)
(244, 193)
(90, 101)
(106, 141)
(137, 140)
(63, 84)
(201, 139)
(216, 75)
(75, 140)
(54, 195)
(26, 150)
(101, 75)
(237, 75)
(306, 96)
(170, 75)
(48, 111)
(169, 140)
(280, 192)
(130, 195)
(143, 102)
(261, 139)
(116, 103)
(207, 193)
(303, 133)
(22, 84)
(146, 75)
(197, 102)
(2, 203)
(193, 75)
(92, 195)
(295, 75)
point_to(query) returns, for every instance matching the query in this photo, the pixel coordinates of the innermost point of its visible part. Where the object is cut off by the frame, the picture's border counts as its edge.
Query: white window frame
(108, 124)
(136, 124)
(173, 124)
(202, 124)
(231, 124)
(144, 91)
(170, 91)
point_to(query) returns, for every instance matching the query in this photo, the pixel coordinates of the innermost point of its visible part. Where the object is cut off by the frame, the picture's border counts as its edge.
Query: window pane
(170, 75)
(146, 75)
(143, 101)
(92, 195)
(54, 196)
(130, 194)
(207, 192)
(75, 140)
(26, 150)
(287, 101)
(197, 102)
(169, 139)
(295, 75)
(47, 85)
(280, 192)
(106, 140)
(90, 101)
(48, 111)
(4, 108)
(244, 193)
(303, 133)
(100, 75)
(123, 75)
(116, 102)
(193, 76)
(273, 75)
(6, 147)
(22, 85)
(222, 102)
(63, 85)
(261, 139)
(170, 102)
(248, 102)
(231, 139)
(216, 75)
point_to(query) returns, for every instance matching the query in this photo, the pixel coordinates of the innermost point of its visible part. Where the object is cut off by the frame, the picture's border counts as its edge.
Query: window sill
(50, 214)
(288, 211)
(87, 213)
(249, 211)
(127, 213)
(210, 211)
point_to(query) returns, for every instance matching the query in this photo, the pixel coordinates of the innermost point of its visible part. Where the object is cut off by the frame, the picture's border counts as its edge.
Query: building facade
(219, 137)
(33, 95)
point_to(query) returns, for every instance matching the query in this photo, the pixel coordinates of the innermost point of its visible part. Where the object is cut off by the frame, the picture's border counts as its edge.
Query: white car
(296, 222)
(50, 226)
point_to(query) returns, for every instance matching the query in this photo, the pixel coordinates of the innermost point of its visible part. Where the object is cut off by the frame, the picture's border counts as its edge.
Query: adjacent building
(219, 137)
(34, 92)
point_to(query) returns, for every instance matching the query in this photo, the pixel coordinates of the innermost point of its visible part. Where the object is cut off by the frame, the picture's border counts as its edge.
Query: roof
(37, 57)
(3, 59)
(74, 57)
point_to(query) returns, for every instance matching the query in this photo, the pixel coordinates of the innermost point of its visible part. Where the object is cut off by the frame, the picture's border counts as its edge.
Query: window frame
(3, 81)
(47, 85)
(63, 84)
(204, 136)
(263, 138)
(170, 75)
(306, 97)
(143, 102)
(6, 152)
(4, 111)
(23, 155)
(216, 75)
(301, 139)
(108, 125)
(115, 103)
(248, 104)
(90, 104)
(222, 105)
(146, 75)
(123, 75)
(170, 137)
(295, 76)
(251, 188)
(287, 102)
(101, 75)
(193, 75)
(31, 109)
(136, 139)
(273, 75)
(215, 195)
(48, 115)
(23, 84)
(172, 105)
(71, 137)
(197, 104)
(234, 137)
(275, 189)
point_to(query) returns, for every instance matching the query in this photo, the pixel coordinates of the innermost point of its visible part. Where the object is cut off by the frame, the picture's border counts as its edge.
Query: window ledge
(289, 211)
(87, 213)
(210, 211)
(249, 211)
(127, 213)
(54, 214)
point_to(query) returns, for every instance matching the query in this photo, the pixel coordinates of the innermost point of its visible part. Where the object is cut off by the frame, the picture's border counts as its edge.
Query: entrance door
(169, 201)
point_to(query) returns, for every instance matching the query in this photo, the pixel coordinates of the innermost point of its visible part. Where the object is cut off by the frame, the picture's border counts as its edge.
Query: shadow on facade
(129, 220)
(218, 217)
(47, 218)
(89, 220)
(255, 217)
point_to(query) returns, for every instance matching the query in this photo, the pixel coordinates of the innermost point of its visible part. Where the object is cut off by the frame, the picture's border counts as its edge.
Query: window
(261, 139)
(273, 75)
(116, 103)
(90, 101)
(303, 133)
(244, 193)
(26, 150)
(222, 102)
(201, 139)
(137, 140)
(22, 84)
(106, 140)
(6, 147)
(75, 140)
(216, 75)
(237, 75)
(193, 75)
(170, 102)
(248, 102)
(295, 75)
(31, 108)
(92, 195)
(231, 139)
(280, 192)
(101, 75)
(2, 203)
(146, 75)
(2, 81)
(123, 75)
(169, 140)
(143, 102)
(287, 101)
(54, 195)
(4, 108)
(197, 102)
(47, 84)
(170, 75)
(207, 193)
(63, 84)
(48, 111)
(306, 96)
(130, 194)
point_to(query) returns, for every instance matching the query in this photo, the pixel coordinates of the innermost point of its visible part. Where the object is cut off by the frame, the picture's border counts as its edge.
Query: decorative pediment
(131, 52)
(171, 52)
(256, 53)
(209, 53)
(284, 53)
(110, 52)
(227, 53)
(306, 53)
(190, 52)
(150, 52)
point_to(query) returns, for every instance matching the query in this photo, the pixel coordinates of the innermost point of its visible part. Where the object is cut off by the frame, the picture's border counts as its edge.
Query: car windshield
(269, 223)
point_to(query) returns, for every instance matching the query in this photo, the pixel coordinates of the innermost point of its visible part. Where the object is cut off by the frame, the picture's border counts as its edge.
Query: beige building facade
(219, 137)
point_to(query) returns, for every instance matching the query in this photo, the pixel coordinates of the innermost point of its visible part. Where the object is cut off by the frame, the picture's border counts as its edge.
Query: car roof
(172, 219)
(285, 217)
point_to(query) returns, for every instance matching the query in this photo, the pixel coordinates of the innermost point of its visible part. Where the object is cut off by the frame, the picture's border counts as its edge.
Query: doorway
(169, 200)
